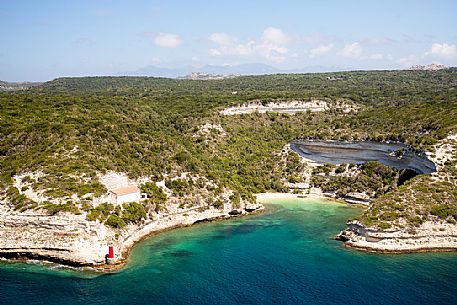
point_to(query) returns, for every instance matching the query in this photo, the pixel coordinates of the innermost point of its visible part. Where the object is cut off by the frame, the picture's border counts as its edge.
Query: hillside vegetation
(71, 129)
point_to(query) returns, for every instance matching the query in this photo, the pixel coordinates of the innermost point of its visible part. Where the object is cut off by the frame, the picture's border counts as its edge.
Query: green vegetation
(19, 201)
(418, 200)
(373, 178)
(155, 193)
(117, 217)
(70, 129)
(115, 221)
(101, 212)
(133, 212)
(62, 207)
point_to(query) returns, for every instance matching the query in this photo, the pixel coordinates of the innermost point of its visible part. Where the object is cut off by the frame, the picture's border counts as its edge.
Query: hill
(58, 140)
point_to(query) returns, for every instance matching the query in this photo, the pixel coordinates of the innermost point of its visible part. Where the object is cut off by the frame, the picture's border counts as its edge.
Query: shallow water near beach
(282, 256)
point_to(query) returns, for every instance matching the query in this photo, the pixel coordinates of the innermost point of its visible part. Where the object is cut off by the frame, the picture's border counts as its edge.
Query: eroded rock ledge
(430, 236)
(291, 106)
(71, 240)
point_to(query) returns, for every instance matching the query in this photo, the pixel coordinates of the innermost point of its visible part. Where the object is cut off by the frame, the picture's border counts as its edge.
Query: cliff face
(419, 217)
(430, 236)
(64, 238)
(72, 240)
(82, 235)
(291, 107)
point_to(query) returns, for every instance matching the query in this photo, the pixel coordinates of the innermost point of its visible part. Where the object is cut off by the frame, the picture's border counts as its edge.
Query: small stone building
(129, 193)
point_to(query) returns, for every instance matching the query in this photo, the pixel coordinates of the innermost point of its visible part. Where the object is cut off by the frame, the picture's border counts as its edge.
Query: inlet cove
(297, 188)
(232, 152)
(284, 255)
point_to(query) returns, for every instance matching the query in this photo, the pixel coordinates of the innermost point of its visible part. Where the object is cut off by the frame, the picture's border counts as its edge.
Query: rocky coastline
(430, 234)
(70, 240)
(429, 237)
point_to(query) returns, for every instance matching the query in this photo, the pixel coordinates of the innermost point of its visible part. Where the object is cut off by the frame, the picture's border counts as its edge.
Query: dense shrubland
(73, 128)
(373, 178)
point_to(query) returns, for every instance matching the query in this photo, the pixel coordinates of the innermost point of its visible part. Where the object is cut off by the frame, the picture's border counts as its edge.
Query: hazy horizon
(43, 40)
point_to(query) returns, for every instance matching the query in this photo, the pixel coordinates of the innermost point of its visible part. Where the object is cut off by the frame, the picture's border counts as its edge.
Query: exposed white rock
(65, 237)
(206, 129)
(434, 235)
(290, 107)
(113, 180)
(25, 187)
(431, 235)
(72, 239)
(431, 67)
(445, 150)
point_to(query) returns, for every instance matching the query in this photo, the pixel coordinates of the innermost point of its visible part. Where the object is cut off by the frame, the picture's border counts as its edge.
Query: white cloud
(316, 39)
(222, 39)
(214, 52)
(443, 50)
(270, 46)
(321, 50)
(167, 40)
(85, 41)
(275, 36)
(408, 61)
(156, 60)
(271, 52)
(353, 50)
(379, 41)
(377, 56)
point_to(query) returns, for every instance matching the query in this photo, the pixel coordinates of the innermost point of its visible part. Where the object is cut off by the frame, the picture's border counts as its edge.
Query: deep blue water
(283, 256)
(338, 152)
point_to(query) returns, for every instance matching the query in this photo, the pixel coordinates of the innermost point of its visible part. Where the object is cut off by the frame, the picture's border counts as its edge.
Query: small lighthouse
(110, 260)
(110, 252)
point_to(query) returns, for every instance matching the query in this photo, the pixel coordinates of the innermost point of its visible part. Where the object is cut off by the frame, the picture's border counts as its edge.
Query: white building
(129, 193)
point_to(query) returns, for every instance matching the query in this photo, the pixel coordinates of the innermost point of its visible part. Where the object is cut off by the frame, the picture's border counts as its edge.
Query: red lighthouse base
(110, 260)
(110, 252)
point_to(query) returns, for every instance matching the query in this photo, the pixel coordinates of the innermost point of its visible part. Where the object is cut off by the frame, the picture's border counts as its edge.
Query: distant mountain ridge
(242, 69)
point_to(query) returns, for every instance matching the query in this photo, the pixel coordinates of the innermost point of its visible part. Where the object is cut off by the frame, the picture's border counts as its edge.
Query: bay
(284, 255)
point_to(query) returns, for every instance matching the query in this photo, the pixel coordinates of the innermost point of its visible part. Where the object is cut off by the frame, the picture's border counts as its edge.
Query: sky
(42, 40)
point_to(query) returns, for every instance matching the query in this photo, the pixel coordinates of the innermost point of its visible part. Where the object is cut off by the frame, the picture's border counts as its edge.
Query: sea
(285, 255)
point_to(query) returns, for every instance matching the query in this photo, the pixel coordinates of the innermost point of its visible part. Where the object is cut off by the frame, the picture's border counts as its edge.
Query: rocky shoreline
(429, 237)
(71, 241)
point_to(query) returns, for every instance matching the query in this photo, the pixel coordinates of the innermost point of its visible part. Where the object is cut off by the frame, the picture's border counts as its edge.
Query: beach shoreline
(265, 197)
(170, 223)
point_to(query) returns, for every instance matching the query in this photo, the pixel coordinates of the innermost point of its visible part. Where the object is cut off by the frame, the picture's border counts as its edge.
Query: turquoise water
(282, 256)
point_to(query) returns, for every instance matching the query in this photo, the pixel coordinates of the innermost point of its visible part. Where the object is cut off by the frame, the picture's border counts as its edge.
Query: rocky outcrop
(290, 107)
(432, 231)
(431, 67)
(357, 198)
(66, 238)
(207, 76)
(16, 86)
(72, 240)
(430, 236)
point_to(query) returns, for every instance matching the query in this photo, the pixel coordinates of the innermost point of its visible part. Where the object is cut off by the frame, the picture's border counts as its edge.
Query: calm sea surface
(282, 256)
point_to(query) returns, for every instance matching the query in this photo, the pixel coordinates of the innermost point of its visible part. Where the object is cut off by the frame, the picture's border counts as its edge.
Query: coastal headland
(97, 162)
